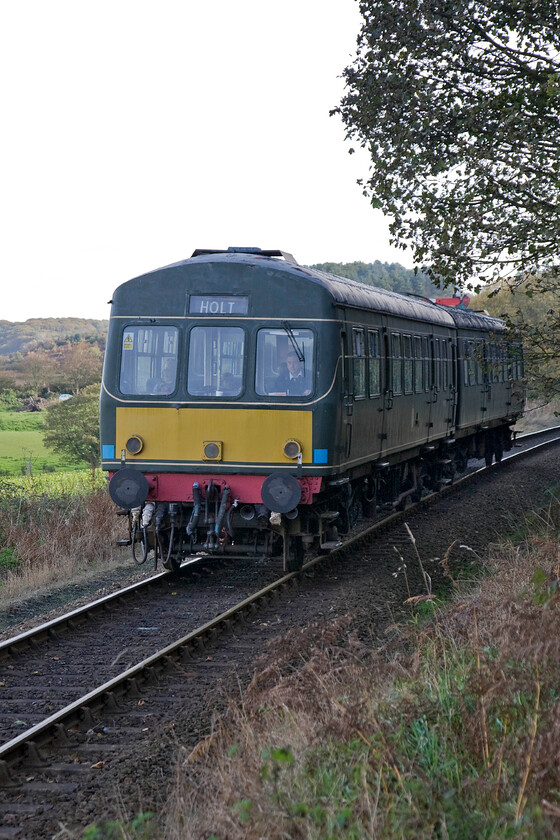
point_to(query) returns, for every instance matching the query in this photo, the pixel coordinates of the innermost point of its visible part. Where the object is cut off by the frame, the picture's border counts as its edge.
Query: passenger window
(444, 365)
(481, 363)
(374, 364)
(426, 362)
(515, 367)
(418, 364)
(284, 363)
(502, 363)
(471, 363)
(407, 363)
(436, 365)
(149, 360)
(359, 364)
(397, 363)
(216, 361)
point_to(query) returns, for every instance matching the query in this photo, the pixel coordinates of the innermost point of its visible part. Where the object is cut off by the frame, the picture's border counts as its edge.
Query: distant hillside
(22, 337)
(392, 276)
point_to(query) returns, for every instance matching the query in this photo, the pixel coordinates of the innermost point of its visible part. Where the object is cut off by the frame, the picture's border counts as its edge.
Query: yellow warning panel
(248, 436)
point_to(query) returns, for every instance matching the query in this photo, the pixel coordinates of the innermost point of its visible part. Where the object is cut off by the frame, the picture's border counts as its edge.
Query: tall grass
(449, 730)
(52, 528)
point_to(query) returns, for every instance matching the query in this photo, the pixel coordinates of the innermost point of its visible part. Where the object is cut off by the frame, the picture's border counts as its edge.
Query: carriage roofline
(345, 292)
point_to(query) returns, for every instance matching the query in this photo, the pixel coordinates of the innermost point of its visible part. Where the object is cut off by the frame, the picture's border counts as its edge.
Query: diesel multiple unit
(252, 406)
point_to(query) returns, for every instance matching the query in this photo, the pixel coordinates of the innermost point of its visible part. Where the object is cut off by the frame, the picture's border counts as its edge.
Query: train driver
(165, 385)
(295, 381)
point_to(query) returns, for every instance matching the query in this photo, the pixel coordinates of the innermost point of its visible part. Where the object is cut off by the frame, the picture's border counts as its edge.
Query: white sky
(136, 131)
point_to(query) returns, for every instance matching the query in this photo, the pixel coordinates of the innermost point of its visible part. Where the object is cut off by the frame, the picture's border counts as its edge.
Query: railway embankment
(445, 725)
(377, 690)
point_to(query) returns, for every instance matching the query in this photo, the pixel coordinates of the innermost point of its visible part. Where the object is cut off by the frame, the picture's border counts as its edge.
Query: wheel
(461, 460)
(488, 455)
(293, 553)
(170, 560)
(172, 564)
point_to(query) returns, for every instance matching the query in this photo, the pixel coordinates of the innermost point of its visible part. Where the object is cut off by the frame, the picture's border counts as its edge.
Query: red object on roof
(463, 302)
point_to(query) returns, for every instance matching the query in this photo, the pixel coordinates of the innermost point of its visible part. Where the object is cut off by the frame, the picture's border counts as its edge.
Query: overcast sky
(135, 131)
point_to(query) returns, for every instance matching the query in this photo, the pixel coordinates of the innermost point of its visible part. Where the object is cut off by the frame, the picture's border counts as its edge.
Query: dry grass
(452, 731)
(45, 539)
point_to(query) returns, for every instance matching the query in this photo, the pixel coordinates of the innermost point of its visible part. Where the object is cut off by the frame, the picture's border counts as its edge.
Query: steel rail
(130, 682)
(127, 683)
(49, 628)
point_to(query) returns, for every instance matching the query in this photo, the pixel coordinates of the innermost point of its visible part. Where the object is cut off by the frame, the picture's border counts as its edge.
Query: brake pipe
(222, 510)
(193, 521)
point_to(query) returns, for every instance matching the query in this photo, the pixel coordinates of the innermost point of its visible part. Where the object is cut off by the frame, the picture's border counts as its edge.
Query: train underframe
(216, 524)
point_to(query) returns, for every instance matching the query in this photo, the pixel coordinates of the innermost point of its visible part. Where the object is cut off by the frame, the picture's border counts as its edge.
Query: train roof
(344, 292)
(467, 319)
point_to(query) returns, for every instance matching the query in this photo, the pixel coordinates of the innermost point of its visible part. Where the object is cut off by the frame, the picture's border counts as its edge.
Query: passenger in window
(165, 385)
(295, 381)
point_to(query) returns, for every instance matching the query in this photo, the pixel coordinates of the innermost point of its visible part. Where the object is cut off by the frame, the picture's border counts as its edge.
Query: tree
(536, 317)
(383, 275)
(72, 427)
(39, 369)
(458, 104)
(81, 365)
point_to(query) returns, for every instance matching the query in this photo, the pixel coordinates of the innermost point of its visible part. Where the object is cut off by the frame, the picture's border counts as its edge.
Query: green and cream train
(252, 406)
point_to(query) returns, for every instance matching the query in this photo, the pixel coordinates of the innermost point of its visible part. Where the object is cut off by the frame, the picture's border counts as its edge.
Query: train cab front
(219, 457)
(213, 392)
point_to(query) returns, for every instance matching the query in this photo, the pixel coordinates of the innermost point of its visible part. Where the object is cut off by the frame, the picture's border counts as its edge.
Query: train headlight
(292, 448)
(212, 450)
(134, 445)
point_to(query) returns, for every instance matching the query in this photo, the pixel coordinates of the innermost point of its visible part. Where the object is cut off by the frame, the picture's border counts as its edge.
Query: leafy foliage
(531, 308)
(81, 365)
(458, 105)
(72, 427)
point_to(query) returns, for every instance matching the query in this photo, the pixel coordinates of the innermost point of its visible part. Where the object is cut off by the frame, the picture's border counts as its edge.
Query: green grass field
(22, 448)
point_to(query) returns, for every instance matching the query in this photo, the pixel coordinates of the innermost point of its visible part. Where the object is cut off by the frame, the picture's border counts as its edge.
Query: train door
(347, 417)
(363, 415)
(497, 399)
(472, 408)
(374, 390)
(483, 377)
(396, 430)
(453, 389)
(441, 416)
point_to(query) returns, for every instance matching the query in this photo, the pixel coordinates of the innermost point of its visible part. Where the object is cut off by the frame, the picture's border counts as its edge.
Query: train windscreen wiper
(297, 349)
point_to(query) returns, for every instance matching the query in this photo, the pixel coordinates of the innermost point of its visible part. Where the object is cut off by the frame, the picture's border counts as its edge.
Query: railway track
(51, 741)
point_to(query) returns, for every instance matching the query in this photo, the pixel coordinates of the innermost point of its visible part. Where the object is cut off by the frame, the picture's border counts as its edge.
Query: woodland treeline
(41, 356)
(47, 333)
(391, 276)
